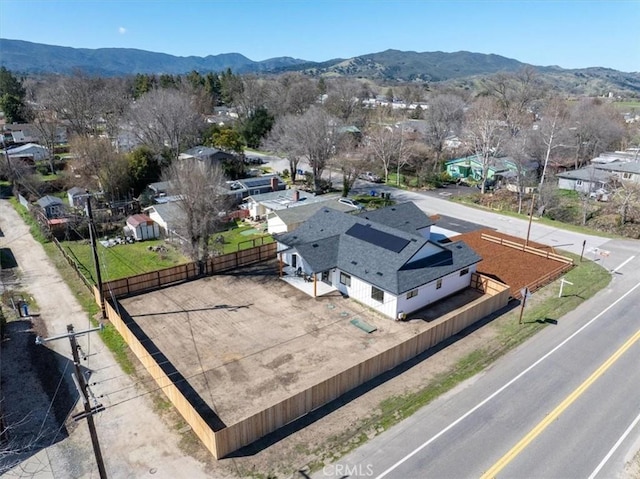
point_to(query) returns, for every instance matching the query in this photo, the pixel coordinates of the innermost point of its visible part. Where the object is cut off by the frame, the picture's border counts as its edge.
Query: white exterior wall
(428, 293)
(361, 291)
(157, 219)
(276, 225)
(427, 250)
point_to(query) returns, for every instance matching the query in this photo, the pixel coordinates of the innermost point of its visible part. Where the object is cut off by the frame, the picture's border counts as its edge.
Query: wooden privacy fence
(222, 439)
(163, 277)
(74, 264)
(527, 249)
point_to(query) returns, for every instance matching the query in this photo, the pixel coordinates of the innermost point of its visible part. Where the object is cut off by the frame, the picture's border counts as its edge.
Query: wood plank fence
(527, 249)
(146, 282)
(566, 263)
(222, 439)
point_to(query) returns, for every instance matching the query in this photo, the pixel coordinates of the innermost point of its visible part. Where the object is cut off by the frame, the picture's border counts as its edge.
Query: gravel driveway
(134, 440)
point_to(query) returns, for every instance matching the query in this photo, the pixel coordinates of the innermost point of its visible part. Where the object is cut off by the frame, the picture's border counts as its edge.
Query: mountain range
(389, 66)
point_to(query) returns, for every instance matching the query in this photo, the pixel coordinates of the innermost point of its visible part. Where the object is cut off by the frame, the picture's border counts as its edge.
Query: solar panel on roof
(377, 237)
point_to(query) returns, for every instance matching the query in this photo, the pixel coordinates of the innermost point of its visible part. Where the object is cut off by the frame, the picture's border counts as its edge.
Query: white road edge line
(615, 447)
(497, 392)
(630, 259)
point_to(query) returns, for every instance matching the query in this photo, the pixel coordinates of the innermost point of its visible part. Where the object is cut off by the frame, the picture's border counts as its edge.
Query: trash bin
(25, 310)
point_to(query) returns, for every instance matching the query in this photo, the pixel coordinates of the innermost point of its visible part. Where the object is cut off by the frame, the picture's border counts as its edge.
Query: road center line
(503, 388)
(559, 409)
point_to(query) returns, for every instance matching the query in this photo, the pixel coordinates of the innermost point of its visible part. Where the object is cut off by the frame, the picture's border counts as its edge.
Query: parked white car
(600, 195)
(370, 176)
(350, 202)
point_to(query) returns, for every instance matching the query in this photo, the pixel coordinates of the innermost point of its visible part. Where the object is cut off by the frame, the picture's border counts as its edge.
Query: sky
(567, 33)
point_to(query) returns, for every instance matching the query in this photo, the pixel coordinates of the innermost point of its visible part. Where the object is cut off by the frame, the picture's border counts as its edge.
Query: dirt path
(135, 441)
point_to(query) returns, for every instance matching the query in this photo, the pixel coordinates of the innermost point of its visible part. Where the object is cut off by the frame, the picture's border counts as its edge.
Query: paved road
(464, 433)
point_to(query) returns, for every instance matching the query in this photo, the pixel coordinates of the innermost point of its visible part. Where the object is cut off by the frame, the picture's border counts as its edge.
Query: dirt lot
(508, 265)
(265, 344)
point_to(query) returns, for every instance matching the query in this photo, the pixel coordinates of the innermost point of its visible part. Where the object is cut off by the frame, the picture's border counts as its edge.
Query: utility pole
(96, 263)
(533, 202)
(83, 389)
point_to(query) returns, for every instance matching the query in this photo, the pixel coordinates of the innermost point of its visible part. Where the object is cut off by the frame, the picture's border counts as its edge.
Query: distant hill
(28, 57)
(388, 66)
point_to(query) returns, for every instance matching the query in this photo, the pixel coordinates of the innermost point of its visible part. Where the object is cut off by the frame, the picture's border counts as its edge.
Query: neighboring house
(142, 227)
(263, 204)
(623, 171)
(381, 258)
(207, 155)
(598, 175)
(584, 180)
(240, 189)
(288, 219)
(168, 216)
(470, 167)
(77, 197)
(30, 152)
(51, 206)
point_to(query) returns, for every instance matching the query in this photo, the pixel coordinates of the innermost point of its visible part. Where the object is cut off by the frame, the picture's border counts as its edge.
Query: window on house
(377, 294)
(579, 182)
(464, 271)
(627, 176)
(345, 279)
(439, 284)
(412, 294)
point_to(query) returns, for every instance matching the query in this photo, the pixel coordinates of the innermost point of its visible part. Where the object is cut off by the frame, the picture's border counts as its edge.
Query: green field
(124, 260)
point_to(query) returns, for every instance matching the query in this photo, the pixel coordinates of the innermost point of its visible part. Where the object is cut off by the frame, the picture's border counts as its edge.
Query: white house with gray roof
(381, 258)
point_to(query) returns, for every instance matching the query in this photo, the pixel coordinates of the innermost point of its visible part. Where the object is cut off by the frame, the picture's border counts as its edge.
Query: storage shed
(142, 227)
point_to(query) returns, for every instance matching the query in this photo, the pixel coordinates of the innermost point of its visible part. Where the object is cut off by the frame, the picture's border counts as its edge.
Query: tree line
(328, 122)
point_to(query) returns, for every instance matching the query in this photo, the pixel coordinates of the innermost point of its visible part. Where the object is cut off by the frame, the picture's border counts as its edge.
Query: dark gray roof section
(302, 213)
(588, 173)
(49, 201)
(261, 181)
(621, 167)
(403, 216)
(323, 243)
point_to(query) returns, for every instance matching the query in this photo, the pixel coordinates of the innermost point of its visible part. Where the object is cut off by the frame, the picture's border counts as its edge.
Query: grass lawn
(239, 236)
(125, 260)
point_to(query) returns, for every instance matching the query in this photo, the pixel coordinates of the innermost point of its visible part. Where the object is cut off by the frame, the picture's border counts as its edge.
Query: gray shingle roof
(404, 216)
(588, 173)
(49, 201)
(324, 244)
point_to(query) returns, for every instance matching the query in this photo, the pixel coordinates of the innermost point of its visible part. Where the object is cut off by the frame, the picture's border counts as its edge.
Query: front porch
(309, 284)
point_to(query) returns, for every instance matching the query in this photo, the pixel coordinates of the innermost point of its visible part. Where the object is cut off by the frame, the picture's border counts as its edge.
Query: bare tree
(516, 95)
(96, 160)
(483, 131)
(351, 161)
(552, 130)
(344, 100)
(627, 196)
(597, 127)
(80, 100)
(314, 135)
(281, 141)
(203, 202)
(165, 120)
(385, 144)
(444, 117)
(291, 93)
